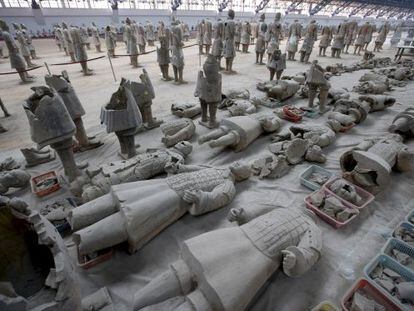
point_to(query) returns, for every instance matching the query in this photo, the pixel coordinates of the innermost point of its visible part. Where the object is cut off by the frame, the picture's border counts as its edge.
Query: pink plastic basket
(333, 222)
(367, 288)
(365, 195)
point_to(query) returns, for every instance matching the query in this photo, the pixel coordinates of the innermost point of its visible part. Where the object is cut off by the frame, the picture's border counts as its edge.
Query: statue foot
(155, 123)
(208, 124)
(6, 115)
(90, 146)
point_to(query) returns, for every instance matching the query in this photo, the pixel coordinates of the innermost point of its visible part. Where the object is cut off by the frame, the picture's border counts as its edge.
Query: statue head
(240, 170)
(211, 68)
(16, 26)
(93, 24)
(64, 25)
(3, 25)
(184, 147)
(231, 14)
(278, 16)
(262, 17)
(128, 21)
(23, 26)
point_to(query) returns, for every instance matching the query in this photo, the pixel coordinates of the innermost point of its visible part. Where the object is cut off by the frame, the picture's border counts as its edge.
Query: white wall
(103, 17)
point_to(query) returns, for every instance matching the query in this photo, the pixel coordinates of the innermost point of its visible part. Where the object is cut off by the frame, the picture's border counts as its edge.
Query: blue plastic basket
(405, 225)
(399, 245)
(409, 216)
(388, 262)
(304, 177)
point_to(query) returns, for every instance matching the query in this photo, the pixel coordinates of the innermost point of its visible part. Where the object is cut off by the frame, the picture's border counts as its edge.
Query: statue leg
(225, 140)
(320, 51)
(180, 75)
(313, 90)
(64, 150)
(6, 113)
(203, 105)
(272, 73)
(175, 73)
(338, 53)
(85, 69)
(261, 58)
(212, 135)
(227, 64)
(58, 44)
(257, 57)
(207, 49)
(200, 49)
(279, 74)
(80, 133)
(333, 52)
(212, 107)
(323, 97)
(72, 57)
(302, 57)
(33, 54)
(176, 281)
(28, 61)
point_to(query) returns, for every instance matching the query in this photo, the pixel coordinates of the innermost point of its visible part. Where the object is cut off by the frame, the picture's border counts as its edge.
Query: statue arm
(307, 252)
(209, 201)
(198, 84)
(249, 212)
(183, 168)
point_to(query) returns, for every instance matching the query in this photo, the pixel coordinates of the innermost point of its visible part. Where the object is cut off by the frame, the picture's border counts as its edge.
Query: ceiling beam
(321, 4)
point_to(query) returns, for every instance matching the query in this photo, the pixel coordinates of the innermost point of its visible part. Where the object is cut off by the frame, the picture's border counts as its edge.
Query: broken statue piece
(280, 90)
(61, 84)
(239, 132)
(185, 110)
(369, 164)
(316, 81)
(403, 123)
(206, 276)
(51, 124)
(137, 212)
(177, 131)
(121, 115)
(141, 167)
(35, 157)
(361, 302)
(346, 191)
(270, 166)
(13, 179)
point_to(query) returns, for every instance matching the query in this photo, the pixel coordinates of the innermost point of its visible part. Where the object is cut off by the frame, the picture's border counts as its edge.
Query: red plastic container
(367, 288)
(103, 256)
(345, 129)
(332, 221)
(45, 184)
(365, 195)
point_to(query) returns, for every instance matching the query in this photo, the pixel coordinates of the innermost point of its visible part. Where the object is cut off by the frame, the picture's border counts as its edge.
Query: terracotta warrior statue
(177, 130)
(109, 41)
(208, 90)
(218, 33)
(229, 51)
(315, 81)
(239, 132)
(338, 40)
(276, 64)
(382, 36)
(24, 47)
(85, 36)
(326, 37)
(122, 116)
(61, 84)
(360, 41)
(310, 37)
(350, 35)
(163, 55)
(275, 33)
(51, 124)
(95, 37)
(246, 32)
(138, 211)
(177, 56)
(60, 42)
(132, 43)
(225, 269)
(260, 40)
(208, 32)
(368, 36)
(68, 41)
(80, 50)
(29, 41)
(370, 163)
(143, 93)
(237, 34)
(294, 35)
(141, 37)
(200, 34)
(16, 60)
(150, 34)
(143, 166)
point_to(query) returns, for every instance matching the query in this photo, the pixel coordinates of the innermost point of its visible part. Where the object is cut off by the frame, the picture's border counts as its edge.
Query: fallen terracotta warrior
(403, 123)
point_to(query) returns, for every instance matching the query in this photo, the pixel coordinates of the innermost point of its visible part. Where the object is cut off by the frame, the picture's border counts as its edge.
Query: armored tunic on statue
(293, 37)
(310, 38)
(229, 33)
(338, 41)
(208, 30)
(68, 41)
(24, 48)
(218, 30)
(177, 56)
(261, 33)
(275, 32)
(16, 59)
(326, 37)
(79, 44)
(209, 92)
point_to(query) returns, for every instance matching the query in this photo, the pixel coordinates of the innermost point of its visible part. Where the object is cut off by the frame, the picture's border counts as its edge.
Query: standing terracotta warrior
(149, 30)
(350, 35)
(275, 34)
(163, 55)
(138, 211)
(208, 90)
(24, 48)
(110, 44)
(61, 84)
(294, 35)
(160, 29)
(229, 51)
(360, 41)
(245, 36)
(80, 51)
(316, 80)
(85, 36)
(325, 41)
(260, 42)
(59, 38)
(218, 33)
(212, 272)
(310, 38)
(124, 35)
(208, 32)
(237, 34)
(338, 41)
(276, 64)
(177, 55)
(68, 42)
(16, 60)
(368, 35)
(200, 35)
(254, 28)
(132, 43)
(382, 35)
(29, 41)
(95, 37)
(186, 32)
(141, 38)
